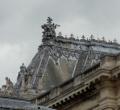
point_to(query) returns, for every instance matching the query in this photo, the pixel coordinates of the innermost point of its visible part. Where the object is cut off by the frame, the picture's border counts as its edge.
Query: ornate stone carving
(49, 28)
(9, 84)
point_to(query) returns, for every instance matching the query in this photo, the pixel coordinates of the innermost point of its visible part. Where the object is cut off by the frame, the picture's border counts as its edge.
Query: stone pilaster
(107, 99)
(108, 62)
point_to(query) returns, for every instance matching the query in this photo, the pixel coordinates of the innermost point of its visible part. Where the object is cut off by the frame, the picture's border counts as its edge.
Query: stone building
(69, 73)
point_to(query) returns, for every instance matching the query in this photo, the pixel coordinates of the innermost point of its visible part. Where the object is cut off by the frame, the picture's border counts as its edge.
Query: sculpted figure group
(49, 28)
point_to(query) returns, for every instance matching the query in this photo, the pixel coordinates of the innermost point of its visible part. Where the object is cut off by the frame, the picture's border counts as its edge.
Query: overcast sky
(21, 20)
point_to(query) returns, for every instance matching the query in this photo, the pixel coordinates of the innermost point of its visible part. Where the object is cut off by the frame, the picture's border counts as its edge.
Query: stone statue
(8, 88)
(21, 76)
(23, 68)
(91, 37)
(9, 84)
(49, 28)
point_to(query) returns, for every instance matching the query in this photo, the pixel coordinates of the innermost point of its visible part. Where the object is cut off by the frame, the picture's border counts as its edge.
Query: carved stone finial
(71, 35)
(91, 37)
(103, 38)
(83, 37)
(23, 68)
(115, 40)
(60, 34)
